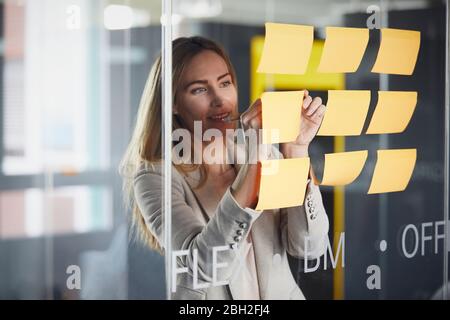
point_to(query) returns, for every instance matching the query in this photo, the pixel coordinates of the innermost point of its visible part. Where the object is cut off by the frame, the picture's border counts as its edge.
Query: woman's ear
(175, 109)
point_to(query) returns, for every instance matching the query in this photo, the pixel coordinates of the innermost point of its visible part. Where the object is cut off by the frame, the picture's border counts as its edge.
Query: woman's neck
(219, 169)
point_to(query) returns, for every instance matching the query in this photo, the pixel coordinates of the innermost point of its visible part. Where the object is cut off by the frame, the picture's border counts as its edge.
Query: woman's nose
(216, 99)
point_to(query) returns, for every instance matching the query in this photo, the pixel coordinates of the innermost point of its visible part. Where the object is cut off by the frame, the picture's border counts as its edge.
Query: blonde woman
(213, 204)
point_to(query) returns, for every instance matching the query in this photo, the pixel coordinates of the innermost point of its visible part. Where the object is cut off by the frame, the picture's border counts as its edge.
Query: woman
(213, 203)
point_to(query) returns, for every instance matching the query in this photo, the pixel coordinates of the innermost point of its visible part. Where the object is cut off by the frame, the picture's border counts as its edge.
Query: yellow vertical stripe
(338, 227)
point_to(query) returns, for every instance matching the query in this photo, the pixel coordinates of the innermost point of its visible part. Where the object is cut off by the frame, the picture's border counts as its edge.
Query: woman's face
(207, 93)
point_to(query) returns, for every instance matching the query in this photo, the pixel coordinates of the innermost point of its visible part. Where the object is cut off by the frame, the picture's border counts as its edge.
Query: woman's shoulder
(151, 177)
(155, 169)
(147, 169)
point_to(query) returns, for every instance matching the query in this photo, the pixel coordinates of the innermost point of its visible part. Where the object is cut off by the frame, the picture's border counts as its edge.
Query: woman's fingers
(306, 102)
(313, 106)
(318, 114)
(255, 121)
(253, 111)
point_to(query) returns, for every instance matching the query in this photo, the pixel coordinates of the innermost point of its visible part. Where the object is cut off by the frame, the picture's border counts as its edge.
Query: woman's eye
(226, 83)
(198, 90)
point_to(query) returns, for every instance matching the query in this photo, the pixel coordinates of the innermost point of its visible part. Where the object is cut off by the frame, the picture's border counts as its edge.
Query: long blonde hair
(145, 143)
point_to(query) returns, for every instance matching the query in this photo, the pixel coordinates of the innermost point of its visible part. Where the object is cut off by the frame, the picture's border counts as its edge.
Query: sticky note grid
(287, 49)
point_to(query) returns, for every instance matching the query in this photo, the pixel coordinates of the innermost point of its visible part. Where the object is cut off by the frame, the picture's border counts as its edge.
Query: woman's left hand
(312, 115)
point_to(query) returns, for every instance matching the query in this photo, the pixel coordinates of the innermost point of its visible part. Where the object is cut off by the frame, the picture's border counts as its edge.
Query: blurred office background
(72, 73)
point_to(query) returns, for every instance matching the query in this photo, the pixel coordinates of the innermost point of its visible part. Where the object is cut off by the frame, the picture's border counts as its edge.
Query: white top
(246, 274)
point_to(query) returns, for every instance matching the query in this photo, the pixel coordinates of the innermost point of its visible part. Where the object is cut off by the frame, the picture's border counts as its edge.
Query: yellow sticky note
(393, 112)
(398, 51)
(344, 49)
(283, 183)
(345, 113)
(393, 170)
(287, 48)
(342, 168)
(281, 115)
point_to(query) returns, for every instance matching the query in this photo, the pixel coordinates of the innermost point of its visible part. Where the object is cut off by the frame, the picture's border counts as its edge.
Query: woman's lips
(220, 117)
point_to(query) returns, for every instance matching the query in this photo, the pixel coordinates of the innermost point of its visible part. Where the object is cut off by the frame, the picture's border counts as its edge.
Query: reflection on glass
(53, 110)
(34, 213)
(72, 75)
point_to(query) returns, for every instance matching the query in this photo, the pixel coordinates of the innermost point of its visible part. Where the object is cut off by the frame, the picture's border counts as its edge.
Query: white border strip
(166, 55)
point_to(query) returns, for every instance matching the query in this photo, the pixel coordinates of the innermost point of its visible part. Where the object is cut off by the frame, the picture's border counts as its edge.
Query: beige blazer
(275, 234)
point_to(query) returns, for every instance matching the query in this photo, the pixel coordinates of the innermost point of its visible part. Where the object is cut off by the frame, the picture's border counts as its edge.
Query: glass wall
(378, 242)
(74, 100)
(72, 72)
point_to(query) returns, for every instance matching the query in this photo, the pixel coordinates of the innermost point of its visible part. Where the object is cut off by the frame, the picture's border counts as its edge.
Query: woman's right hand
(252, 117)
(246, 185)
